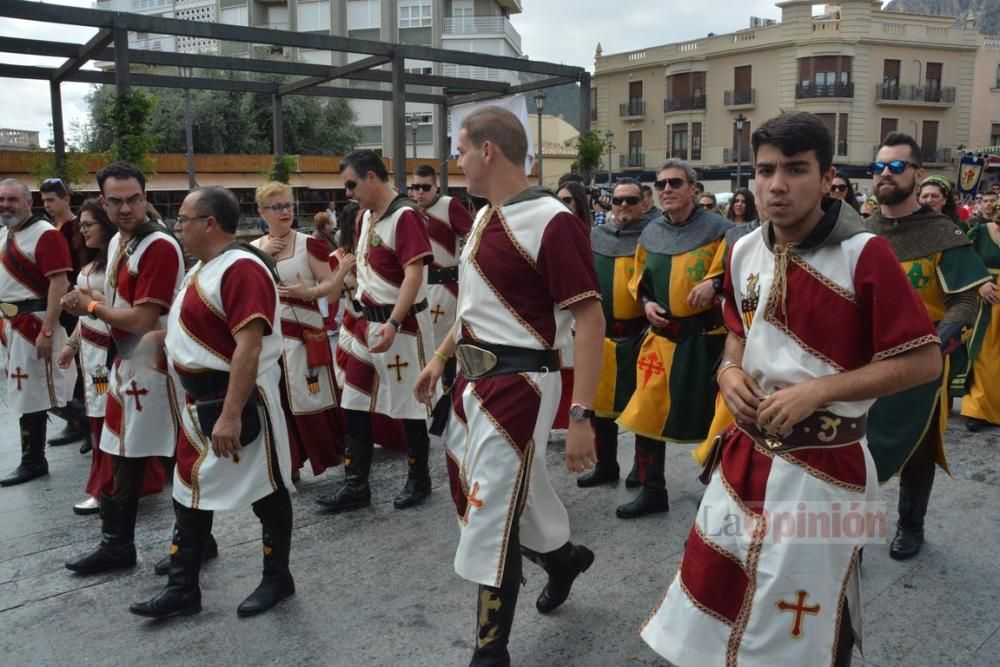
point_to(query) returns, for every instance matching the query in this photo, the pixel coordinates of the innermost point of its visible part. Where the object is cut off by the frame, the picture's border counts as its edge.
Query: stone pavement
(376, 587)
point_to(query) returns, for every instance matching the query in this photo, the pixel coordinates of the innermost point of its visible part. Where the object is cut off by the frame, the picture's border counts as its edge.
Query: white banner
(516, 104)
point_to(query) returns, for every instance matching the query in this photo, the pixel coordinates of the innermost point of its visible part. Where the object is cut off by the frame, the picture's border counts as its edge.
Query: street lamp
(414, 126)
(608, 136)
(539, 105)
(741, 122)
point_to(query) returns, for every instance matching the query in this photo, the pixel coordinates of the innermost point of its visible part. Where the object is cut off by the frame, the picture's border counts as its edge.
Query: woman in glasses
(743, 207)
(574, 195)
(981, 405)
(308, 394)
(938, 193)
(90, 342)
(843, 189)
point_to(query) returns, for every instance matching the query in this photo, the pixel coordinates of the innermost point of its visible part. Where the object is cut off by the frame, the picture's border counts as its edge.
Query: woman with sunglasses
(981, 405)
(843, 189)
(938, 193)
(742, 208)
(574, 195)
(308, 394)
(90, 342)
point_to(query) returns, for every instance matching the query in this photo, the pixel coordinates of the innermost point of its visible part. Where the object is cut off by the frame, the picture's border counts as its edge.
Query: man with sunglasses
(613, 245)
(393, 336)
(34, 264)
(684, 341)
(145, 269)
(906, 430)
(447, 222)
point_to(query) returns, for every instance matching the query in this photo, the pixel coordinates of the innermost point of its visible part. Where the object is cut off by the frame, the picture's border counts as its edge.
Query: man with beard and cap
(614, 245)
(34, 267)
(906, 432)
(145, 269)
(811, 344)
(674, 395)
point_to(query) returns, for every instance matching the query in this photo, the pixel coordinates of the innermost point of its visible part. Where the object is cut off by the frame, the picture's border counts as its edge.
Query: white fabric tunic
(447, 222)
(140, 415)
(218, 299)
(29, 257)
(95, 339)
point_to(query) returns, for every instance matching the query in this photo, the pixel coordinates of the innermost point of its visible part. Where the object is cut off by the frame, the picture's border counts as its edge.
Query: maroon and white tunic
(27, 258)
(522, 267)
(140, 416)
(95, 339)
(447, 221)
(217, 300)
(383, 382)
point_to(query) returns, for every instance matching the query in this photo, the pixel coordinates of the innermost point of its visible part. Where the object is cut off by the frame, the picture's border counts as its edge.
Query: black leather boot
(276, 584)
(211, 551)
(563, 566)
(182, 596)
(632, 481)
(652, 498)
(33, 463)
(117, 548)
(418, 478)
(74, 414)
(606, 441)
(355, 493)
(910, 527)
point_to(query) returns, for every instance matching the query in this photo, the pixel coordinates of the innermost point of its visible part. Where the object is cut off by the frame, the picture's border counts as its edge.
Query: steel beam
(278, 123)
(398, 128)
(86, 52)
(585, 103)
(58, 137)
(121, 58)
(333, 73)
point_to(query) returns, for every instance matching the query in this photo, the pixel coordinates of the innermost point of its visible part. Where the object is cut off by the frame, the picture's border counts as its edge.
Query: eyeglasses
(350, 185)
(567, 200)
(630, 200)
(709, 205)
(426, 187)
(895, 166)
(674, 183)
(115, 203)
(279, 208)
(838, 188)
(183, 220)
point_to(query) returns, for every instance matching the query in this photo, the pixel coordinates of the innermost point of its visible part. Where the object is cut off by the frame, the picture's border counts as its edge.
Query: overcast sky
(562, 31)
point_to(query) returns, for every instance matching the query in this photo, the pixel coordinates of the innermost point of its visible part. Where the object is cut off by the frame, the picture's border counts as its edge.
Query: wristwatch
(396, 325)
(578, 413)
(47, 332)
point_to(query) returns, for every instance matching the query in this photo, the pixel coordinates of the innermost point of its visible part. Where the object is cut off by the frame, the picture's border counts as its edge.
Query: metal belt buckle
(475, 361)
(9, 309)
(772, 443)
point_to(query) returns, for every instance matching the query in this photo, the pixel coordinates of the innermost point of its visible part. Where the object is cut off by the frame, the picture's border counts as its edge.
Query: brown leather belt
(619, 329)
(384, 313)
(681, 328)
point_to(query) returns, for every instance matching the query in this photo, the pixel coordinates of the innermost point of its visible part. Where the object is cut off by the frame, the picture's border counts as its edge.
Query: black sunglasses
(426, 187)
(895, 166)
(630, 200)
(350, 185)
(567, 200)
(674, 183)
(838, 188)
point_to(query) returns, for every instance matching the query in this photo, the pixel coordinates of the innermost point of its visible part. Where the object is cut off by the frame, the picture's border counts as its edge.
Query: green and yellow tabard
(675, 392)
(983, 398)
(625, 321)
(941, 263)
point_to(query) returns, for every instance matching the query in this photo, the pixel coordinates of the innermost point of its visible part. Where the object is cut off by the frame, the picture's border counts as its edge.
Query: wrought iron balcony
(894, 92)
(635, 159)
(634, 108)
(805, 91)
(684, 103)
(741, 98)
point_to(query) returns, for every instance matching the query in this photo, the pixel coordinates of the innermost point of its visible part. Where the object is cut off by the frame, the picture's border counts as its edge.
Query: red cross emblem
(473, 501)
(19, 375)
(137, 394)
(651, 365)
(799, 608)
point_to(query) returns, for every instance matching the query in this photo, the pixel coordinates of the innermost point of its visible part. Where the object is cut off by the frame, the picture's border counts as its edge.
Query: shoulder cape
(666, 238)
(919, 234)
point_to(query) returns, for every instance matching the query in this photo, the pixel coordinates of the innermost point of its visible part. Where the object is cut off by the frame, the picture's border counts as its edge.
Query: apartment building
(477, 26)
(864, 71)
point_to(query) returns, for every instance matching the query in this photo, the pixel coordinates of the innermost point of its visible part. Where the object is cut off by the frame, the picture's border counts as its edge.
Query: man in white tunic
(34, 268)
(770, 574)
(527, 275)
(145, 270)
(223, 339)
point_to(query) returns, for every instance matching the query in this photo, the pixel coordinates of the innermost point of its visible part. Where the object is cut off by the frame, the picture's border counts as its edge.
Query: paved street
(376, 587)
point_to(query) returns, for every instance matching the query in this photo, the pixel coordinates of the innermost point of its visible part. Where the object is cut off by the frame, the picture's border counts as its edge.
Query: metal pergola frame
(110, 44)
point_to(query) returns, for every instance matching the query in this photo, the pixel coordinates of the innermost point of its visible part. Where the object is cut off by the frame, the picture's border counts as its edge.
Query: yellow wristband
(441, 356)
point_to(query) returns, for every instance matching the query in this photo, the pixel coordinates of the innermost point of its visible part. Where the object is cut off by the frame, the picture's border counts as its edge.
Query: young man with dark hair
(145, 269)
(906, 433)
(447, 222)
(810, 346)
(527, 274)
(34, 267)
(223, 340)
(392, 337)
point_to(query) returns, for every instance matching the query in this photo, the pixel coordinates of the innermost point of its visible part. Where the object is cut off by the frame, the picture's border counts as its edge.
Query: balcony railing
(894, 92)
(805, 91)
(482, 25)
(677, 153)
(633, 108)
(635, 159)
(938, 156)
(741, 98)
(683, 103)
(729, 155)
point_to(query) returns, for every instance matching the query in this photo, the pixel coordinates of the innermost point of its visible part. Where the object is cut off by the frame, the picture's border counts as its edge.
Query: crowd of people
(806, 350)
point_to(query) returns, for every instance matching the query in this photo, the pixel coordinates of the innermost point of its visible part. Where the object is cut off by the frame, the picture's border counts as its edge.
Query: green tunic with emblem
(674, 399)
(625, 322)
(941, 264)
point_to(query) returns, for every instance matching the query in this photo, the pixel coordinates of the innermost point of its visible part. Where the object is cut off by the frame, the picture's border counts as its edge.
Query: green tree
(128, 115)
(589, 149)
